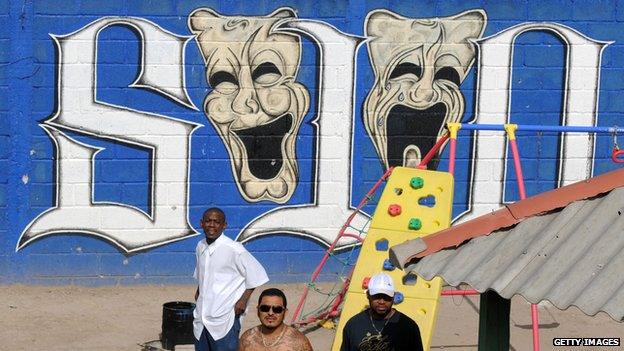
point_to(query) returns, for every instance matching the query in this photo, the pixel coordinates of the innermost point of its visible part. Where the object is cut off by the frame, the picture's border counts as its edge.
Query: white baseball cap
(381, 283)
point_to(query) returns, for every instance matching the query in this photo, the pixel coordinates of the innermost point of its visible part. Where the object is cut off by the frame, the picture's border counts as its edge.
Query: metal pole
(511, 136)
(453, 129)
(541, 128)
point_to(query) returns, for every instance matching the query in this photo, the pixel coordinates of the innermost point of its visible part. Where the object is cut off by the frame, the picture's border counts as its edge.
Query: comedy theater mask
(418, 65)
(255, 104)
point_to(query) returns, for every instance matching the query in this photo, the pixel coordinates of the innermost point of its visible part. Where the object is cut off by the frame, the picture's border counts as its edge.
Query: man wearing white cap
(381, 327)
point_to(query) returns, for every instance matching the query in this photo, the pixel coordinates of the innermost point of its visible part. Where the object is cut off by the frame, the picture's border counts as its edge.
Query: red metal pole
(451, 167)
(518, 167)
(333, 311)
(535, 320)
(459, 292)
(453, 129)
(511, 134)
(432, 152)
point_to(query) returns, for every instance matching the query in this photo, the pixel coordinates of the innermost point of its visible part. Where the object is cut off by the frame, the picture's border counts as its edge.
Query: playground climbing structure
(414, 203)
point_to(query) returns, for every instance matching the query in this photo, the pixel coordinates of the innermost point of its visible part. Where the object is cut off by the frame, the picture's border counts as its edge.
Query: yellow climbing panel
(414, 203)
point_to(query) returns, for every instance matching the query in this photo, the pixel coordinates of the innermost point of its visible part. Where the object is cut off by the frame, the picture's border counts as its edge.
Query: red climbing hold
(394, 210)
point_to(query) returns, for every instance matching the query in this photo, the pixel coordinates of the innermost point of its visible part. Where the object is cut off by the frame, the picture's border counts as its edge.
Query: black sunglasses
(267, 308)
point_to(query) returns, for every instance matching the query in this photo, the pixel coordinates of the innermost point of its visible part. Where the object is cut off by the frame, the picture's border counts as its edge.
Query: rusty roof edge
(561, 197)
(514, 213)
(456, 235)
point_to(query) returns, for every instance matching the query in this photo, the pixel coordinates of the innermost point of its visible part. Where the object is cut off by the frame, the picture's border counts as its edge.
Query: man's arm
(251, 270)
(295, 340)
(305, 343)
(197, 293)
(241, 304)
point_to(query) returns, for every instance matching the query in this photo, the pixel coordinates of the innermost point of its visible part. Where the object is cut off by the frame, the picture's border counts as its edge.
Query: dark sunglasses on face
(382, 297)
(267, 308)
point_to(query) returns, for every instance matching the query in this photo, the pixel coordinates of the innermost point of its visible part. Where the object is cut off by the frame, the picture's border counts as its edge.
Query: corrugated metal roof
(570, 256)
(506, 217)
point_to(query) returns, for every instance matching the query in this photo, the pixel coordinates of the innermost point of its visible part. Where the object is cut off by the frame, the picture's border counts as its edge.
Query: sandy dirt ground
(121, 318)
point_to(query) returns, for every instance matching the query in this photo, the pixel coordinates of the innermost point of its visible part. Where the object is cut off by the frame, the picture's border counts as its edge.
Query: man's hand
(240, 306)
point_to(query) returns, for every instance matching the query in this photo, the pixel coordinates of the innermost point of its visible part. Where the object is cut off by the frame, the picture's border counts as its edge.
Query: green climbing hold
(415, 224)
(417, 182)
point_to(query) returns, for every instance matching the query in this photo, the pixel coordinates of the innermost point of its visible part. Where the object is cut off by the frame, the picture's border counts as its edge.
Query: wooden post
(493, 322)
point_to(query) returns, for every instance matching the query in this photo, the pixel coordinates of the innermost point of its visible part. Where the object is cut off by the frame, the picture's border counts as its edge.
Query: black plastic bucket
(177, 324)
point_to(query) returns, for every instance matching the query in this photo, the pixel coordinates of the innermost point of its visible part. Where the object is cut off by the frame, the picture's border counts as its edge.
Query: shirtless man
(272, 334)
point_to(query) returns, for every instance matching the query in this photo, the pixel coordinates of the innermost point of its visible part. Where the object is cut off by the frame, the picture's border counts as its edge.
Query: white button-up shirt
(225, 269)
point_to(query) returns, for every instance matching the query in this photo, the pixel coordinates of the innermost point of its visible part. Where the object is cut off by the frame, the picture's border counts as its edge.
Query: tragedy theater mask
(255, 104)
(418, 65)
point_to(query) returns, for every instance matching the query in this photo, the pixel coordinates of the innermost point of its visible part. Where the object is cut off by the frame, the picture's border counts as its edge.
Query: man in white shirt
(227, 274)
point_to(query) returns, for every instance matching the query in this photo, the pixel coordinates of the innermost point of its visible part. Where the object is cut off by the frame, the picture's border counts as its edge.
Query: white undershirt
(224, 270)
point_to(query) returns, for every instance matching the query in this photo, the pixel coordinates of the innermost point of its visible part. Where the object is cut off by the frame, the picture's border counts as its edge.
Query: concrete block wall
(116, 133)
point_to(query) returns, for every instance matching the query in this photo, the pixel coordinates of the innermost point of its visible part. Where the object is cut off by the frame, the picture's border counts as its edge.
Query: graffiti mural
(335, 120)
(256, 104)
(419, 65)
(306, 109)
(581, 86)
(167, 138)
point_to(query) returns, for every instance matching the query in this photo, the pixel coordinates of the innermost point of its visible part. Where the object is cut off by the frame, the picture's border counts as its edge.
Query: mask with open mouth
(256, 105)
(418, 65)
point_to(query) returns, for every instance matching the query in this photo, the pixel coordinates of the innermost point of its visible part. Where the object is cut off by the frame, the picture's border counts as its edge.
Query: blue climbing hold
(398, 297)
(387, 265)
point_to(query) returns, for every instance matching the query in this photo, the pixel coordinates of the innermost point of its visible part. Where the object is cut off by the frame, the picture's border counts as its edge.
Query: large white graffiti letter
(582, 77)
(322, 219)
(167, 140)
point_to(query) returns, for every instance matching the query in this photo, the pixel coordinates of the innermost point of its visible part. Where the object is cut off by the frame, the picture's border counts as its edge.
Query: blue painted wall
(30, 69)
